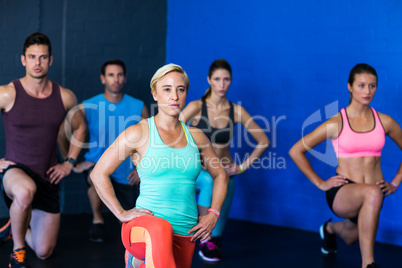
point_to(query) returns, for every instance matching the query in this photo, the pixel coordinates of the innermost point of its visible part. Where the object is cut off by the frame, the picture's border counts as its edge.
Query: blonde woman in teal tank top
(168, 157)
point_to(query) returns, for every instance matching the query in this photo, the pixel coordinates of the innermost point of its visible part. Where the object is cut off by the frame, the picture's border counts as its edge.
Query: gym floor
(244, 244)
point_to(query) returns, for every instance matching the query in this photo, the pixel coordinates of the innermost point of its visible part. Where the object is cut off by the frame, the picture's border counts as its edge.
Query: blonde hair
(164, 70)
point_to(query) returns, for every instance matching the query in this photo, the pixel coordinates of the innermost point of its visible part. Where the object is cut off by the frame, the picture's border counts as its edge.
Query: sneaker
(209, 251)
(131, 262)
(18, 259)
(128, 258)
(329, 245)
(5, 232)
(96, 232)
(373, 265)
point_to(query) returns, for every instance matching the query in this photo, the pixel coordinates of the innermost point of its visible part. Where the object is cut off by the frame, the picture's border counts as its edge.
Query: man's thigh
(45, 228)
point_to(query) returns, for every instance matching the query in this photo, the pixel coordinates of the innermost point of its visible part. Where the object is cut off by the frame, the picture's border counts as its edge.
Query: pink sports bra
(350, 143)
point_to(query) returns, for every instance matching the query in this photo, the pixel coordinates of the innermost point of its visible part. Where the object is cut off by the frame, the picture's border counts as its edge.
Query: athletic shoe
(5, 232)
(128, 258)
(373, 265)
(329, 245)
(18, 259)
(96, 232)
(209, 251)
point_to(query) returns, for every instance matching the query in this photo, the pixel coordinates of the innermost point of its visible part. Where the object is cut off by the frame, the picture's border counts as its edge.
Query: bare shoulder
(337, 118)
(194, 106)
(384, 117)
(332, 126)
(190, 111)
(68, 97)
(137, 135)
(7, 90)
(387, 121)
(198, 136)
(7, 96)
(240, 113)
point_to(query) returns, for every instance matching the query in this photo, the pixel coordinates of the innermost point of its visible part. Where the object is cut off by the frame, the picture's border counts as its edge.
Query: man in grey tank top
(33, 109)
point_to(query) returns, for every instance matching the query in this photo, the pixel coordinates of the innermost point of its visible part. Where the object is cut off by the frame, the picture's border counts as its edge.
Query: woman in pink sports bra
(357, 192)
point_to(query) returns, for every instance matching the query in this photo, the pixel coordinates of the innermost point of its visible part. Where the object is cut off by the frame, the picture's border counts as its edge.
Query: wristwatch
(71, 161)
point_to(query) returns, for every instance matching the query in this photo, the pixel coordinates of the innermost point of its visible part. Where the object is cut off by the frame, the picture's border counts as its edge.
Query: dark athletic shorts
(331, 193)
(46, 197)
(126, 194)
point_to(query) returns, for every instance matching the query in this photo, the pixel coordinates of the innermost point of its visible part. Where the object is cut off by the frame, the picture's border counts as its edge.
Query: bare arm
(76, 125)
(64, 137)
(207, 223)
(394, 131)
(125, 145)
(7, 97)
(242, 116)
(190, 111)
(329, 129)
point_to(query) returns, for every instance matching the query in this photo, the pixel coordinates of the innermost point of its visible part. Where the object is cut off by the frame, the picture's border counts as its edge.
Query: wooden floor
(244, 245)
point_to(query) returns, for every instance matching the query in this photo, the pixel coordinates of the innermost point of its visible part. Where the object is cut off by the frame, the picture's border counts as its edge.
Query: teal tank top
(168, 177)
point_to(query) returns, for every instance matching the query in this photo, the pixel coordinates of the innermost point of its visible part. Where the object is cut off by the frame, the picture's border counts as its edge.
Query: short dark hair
(37, 39)
(113, 62)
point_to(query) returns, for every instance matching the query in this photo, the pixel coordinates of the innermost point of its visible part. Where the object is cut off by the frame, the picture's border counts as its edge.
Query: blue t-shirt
(106, 120)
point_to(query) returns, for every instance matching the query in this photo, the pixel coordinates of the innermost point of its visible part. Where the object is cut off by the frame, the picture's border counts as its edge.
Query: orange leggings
(151, 239)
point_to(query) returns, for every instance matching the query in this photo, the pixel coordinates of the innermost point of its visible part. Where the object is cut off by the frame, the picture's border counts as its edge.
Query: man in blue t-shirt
(107, 115)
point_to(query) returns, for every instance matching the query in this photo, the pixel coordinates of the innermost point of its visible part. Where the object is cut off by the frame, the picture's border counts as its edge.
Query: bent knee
(374, 196)
(162, 226)
(44, 253)
(350, 241)
(23, 199)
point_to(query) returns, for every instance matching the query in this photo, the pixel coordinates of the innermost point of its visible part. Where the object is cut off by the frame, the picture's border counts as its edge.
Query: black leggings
(331, 193)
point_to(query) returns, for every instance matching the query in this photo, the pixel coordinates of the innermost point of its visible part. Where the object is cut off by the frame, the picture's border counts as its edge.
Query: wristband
(393, 184)
(217, 213)
(71, 161)
(241, 168)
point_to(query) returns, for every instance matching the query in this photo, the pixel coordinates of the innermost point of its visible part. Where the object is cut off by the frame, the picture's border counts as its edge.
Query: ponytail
(207, 94)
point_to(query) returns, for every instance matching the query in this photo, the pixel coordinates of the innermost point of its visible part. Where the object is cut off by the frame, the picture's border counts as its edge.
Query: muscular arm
(329, 129)
(65, 133)
(7, 97)
(394, 131)
(77, 123)
(256, 132)
(190, 111)
(74, 125)
(127, 143)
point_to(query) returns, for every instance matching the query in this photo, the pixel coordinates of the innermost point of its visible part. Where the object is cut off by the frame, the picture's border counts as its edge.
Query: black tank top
(31, 128)
(216, 135)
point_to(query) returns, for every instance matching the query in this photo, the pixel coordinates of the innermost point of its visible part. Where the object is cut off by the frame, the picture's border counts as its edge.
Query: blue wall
(291, 59)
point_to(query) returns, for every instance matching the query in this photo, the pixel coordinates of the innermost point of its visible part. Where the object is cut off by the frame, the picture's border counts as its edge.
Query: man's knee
(23, 198)
(44, 252)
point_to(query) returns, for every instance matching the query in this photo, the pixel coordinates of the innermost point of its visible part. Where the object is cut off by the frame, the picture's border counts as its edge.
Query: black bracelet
(71, 161)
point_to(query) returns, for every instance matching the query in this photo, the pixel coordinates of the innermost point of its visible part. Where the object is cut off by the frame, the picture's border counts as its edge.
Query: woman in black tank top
(216, 116)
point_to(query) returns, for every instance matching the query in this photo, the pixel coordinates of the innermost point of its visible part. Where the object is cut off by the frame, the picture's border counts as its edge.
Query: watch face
(71, 161)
